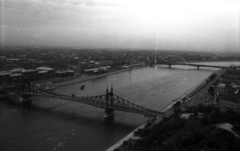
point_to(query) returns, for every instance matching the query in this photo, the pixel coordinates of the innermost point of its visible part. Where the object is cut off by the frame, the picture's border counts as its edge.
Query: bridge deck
(191, 64)
(108, 101)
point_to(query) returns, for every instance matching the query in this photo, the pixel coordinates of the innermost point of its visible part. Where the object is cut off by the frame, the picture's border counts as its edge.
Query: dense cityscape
(80, 59)
(51, 63)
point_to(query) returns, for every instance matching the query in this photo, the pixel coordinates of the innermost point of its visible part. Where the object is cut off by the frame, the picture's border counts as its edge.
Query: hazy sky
(152, 24)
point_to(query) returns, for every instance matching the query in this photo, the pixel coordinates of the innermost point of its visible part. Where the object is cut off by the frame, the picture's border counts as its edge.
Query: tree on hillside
(211, 90)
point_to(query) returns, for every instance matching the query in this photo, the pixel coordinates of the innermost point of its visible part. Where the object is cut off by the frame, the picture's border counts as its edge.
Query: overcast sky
(139, 24)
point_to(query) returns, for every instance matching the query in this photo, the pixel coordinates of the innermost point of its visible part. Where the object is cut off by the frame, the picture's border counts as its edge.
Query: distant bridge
(109, 101)
(170, 64)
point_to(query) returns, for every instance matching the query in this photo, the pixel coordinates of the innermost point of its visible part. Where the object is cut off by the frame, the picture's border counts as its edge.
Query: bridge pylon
(109, 112)
(24, 90)
(26, 100)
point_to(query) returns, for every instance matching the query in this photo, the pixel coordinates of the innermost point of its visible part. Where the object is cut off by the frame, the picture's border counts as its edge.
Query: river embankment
(186, 100)
(130, 135)
(205, 84)
(79, 79)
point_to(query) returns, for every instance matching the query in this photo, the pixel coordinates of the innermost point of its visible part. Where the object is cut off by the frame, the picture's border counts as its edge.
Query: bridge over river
(170, 64)
(108, 101)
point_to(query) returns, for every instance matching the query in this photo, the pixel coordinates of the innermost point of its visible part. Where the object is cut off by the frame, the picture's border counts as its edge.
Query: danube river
(59, 125)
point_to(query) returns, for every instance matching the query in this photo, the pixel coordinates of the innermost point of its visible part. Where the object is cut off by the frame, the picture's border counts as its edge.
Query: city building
(227, 93)
(221, 89)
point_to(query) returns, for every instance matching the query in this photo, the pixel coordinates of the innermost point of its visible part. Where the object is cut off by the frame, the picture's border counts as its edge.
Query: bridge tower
(26, 97)
(109, 112)
(155, 60)
(26, 100)
(3, 92)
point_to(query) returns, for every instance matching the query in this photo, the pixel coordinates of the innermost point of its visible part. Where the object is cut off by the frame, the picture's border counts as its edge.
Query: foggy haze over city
(200, 25)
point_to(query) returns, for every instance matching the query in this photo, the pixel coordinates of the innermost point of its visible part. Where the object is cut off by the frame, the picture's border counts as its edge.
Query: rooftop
(221, 85)
(17, 70)
(15, 75)
(42, 71)
(4, 73)
(28, 70)
(44, 68)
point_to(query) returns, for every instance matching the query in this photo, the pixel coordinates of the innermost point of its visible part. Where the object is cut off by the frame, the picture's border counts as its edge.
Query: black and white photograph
(120, 75)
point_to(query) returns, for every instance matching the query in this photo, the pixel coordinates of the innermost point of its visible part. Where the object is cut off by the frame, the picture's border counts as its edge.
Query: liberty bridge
(109, 101)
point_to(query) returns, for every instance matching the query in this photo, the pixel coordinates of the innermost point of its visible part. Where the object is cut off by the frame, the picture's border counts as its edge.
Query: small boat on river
(72, 95)
(49, 88)
(82, 87)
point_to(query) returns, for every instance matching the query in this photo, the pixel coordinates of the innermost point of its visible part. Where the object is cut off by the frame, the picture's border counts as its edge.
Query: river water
(59, 125)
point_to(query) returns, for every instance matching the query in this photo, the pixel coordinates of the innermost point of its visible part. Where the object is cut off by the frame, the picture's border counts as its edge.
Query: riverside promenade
(201, 95)
(196, 95)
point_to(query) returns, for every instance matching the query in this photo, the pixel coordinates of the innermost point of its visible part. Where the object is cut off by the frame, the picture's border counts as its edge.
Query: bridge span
(170, 64)
(108, 101)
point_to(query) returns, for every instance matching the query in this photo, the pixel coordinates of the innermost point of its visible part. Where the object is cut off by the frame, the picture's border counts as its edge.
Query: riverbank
(79, 79)
(187, 99)
(129, 136)
(202, 86)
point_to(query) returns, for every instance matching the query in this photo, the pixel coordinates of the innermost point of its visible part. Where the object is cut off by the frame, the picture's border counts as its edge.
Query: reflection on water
(53, 124)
